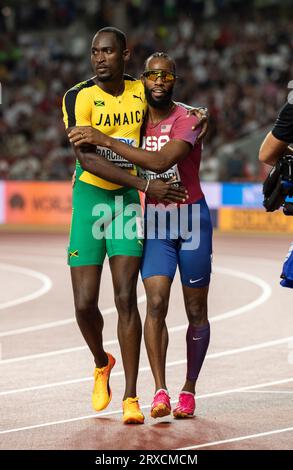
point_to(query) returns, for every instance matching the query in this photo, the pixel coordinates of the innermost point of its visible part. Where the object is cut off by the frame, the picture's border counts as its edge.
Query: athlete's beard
(162, 103)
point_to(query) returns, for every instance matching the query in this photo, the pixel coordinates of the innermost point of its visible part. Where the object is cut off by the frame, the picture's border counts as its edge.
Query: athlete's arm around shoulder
(101, 167)
(159, 161)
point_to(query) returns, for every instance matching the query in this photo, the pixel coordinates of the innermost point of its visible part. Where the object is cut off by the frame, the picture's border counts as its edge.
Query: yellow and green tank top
(121, 117)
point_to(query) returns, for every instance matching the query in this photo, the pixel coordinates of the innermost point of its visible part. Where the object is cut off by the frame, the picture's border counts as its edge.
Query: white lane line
(264, 286)
(266, 293)
(60, 259)
(278, 392)
(69, 382)
(144, 407)
(51, 354)
(238, 439)
(10, 251)
(44, 326)
(67, 321)
(147, 368)
(38, 259)
(269, 262)
(115, 341)
(46, 285)
(248, 387)
(254, 347)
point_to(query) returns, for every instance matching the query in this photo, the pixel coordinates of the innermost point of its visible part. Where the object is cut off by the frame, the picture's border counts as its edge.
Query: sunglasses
(153, 75)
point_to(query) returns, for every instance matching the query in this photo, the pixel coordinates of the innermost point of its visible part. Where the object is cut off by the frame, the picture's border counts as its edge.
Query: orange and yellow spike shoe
(102, 393)
(132, 413)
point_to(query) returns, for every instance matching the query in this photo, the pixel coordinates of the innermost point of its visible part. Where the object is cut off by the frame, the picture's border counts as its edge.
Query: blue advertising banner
(247, 195)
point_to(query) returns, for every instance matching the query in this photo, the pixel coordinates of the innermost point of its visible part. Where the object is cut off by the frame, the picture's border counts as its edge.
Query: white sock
(162, 390)
(188, 393)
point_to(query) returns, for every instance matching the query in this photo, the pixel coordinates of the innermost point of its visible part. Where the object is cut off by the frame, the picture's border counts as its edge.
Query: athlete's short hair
(120, 36)
(161, 55)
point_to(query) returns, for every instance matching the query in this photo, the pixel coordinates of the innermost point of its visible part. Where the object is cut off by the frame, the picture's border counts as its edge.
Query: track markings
(238, 439)
(58, 323)
(45, 280)
(145, 407)
(264, 296)
(147, 368)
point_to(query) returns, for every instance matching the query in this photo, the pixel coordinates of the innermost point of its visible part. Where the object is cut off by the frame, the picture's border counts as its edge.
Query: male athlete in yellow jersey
(116, 105)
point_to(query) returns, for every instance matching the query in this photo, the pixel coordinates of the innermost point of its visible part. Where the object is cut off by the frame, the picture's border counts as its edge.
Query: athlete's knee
(197, 311)
(157, 306)
(126, 303)
(85, 308)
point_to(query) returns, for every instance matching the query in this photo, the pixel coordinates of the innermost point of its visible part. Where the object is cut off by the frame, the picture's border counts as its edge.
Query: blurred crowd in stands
(233, 57)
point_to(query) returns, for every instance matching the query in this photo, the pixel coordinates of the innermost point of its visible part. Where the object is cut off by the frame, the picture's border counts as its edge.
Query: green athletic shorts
(104, 221)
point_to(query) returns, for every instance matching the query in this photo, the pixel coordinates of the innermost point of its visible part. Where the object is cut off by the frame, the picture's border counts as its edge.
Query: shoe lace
(132, 402)
(161, 395)
(185, 400)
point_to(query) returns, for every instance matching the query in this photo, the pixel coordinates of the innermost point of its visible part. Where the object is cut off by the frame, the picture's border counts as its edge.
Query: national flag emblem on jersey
(99, 103)
(73, 254)
(166, 128)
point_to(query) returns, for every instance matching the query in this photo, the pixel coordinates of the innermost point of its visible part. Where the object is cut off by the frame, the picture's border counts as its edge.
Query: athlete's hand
(164, 191)
(81, 135)
(203, 120)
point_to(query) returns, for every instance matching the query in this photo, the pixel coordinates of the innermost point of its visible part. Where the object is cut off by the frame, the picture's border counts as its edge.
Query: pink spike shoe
(161, 404)
(185, 407)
